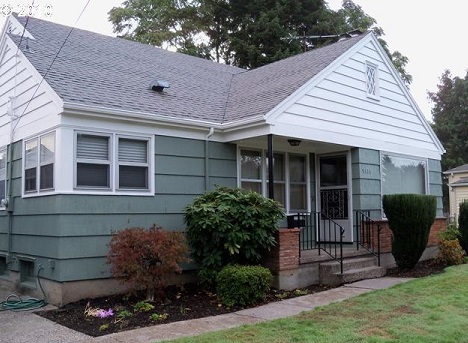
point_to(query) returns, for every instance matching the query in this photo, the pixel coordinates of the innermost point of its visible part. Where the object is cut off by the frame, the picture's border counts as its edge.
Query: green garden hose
(14, 303)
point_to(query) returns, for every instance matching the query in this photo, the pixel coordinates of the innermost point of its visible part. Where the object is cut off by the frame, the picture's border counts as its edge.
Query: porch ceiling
(280, 143)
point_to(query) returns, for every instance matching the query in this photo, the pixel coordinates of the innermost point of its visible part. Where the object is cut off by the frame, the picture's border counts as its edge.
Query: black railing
(318, 231)
(368, 233)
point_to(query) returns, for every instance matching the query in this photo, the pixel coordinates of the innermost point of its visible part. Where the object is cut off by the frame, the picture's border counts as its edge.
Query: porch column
(271, 188)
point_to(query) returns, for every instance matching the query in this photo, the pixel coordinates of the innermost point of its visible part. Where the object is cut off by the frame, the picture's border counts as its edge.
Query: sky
(432, 34)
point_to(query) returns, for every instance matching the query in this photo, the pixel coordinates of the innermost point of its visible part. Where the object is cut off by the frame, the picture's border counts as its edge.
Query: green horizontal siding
(366, 182)
(73, 230)
(435, 183)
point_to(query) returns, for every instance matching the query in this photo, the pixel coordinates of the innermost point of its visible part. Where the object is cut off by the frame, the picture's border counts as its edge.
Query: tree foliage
(450, 118)
(244, 33)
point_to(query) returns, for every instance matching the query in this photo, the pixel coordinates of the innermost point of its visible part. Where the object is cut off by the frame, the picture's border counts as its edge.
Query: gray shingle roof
(459, 169)
(114, 73)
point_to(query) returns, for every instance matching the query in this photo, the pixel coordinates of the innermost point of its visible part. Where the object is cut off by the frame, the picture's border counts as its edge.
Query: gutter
(104, 112)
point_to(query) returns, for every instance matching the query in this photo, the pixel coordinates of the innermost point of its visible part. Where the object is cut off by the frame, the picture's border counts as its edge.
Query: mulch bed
(181, 303)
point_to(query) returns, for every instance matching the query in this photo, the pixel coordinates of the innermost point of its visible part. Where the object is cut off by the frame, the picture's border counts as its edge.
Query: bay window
(39, 160)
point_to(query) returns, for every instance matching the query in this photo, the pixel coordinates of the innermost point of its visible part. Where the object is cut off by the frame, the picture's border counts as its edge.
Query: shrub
(463, 224)
(144, 258)
(243, 285)
(229, 226)
(410, 217)
(450, 251)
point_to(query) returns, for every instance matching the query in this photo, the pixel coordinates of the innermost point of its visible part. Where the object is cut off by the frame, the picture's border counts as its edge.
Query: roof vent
(159, 85)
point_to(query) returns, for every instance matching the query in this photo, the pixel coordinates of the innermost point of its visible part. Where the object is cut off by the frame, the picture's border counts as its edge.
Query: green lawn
(431, 309)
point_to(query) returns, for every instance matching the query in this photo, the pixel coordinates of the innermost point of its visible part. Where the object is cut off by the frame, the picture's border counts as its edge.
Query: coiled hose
(14, 302)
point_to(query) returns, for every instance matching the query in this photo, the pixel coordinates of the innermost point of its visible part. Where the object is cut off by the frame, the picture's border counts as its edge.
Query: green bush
(463, 224)
(450, 251)
(410, 217)
(243, 285)
(229, 226)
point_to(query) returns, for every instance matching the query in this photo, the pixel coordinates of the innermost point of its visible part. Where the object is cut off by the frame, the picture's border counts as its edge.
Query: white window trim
(114, 166)
(375, 96)
(38, 191)
(118, 163)
(264, 174)
(5, 151)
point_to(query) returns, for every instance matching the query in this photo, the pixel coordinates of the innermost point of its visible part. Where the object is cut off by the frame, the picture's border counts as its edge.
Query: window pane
(2, 163)
(92, 147)
(403, 175)
(297, 168)
(251, 165)
(133, 150)
(2, 189)
(333, 171)
(133, 177)
(30, 179)
(252, 186)
(47, 176)
(371, 73)
(278, 167)
(47, 149)
(298, 198)
(30, 155)
(280, 193)
(93, 175)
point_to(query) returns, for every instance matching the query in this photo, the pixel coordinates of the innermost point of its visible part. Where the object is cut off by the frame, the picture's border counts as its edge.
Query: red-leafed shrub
(144, 258)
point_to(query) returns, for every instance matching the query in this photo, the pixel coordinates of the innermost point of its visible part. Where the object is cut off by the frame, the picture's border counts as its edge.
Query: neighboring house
(458, 189)
(99, 133)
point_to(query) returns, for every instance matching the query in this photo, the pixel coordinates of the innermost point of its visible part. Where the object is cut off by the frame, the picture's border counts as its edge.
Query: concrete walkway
(26, 327)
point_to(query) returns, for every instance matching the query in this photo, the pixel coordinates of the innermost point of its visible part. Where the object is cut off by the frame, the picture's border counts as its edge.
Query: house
(458, 189)
(99, 133)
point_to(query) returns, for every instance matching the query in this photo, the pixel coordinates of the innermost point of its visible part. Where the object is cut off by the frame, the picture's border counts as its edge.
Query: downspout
(9, 180)
(207, 159)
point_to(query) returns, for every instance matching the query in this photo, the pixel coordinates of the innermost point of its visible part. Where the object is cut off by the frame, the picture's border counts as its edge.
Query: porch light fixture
(159, 85)
(294, 142)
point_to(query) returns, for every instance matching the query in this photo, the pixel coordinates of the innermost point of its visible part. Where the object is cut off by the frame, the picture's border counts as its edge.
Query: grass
(432, 309)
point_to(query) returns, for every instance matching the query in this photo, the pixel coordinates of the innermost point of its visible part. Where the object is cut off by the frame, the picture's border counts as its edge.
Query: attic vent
(159, 85)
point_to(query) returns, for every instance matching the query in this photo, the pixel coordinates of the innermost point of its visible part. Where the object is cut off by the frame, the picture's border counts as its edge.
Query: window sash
(93, 165)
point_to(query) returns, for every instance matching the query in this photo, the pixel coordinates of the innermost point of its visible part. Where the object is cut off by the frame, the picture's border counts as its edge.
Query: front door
(334, 198)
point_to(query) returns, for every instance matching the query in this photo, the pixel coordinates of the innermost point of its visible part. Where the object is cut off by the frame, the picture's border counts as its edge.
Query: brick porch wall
(386, 234)
(285, 254)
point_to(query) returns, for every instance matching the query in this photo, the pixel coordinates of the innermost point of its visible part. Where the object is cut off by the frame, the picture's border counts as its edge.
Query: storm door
(334, 198)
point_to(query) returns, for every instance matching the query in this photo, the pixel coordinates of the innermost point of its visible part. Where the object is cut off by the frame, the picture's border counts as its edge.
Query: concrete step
(354, 269)
(348, 264)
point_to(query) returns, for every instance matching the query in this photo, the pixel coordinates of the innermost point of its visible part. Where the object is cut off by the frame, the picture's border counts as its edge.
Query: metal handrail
(370, 237)
(330, 247)
(311, 227)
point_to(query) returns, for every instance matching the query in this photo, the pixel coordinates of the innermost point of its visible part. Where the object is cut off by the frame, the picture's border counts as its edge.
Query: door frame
(349, 177)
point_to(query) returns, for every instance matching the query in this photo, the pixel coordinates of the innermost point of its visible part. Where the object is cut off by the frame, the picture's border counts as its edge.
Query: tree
(244, 33)
(450, 118)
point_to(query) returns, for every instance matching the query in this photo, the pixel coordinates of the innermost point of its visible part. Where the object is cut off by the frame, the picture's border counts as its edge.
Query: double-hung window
(289, 177)
(93, 161)
(112, 162)
(39, 160)
(3, 164)
(133, 163)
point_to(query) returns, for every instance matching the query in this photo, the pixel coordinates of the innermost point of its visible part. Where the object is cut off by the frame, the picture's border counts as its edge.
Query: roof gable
(333, 106)
(258, 91)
